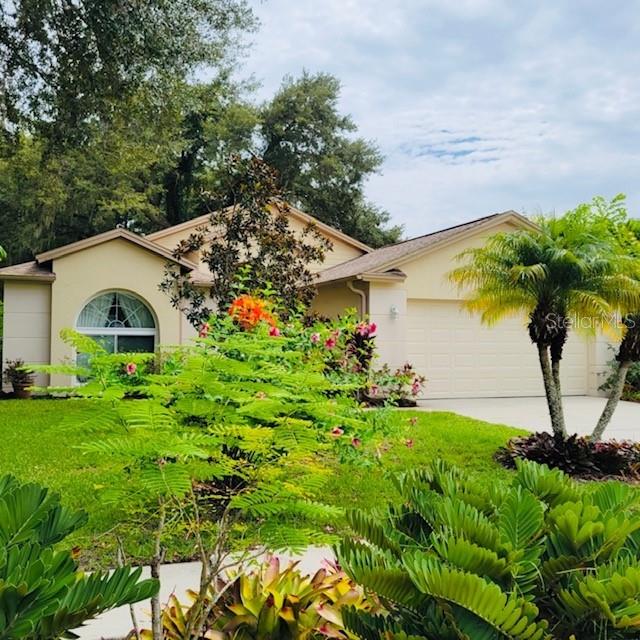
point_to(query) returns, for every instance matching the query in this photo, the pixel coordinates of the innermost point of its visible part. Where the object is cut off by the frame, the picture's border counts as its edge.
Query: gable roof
(381, 262)
(107, 236)
(295, 212)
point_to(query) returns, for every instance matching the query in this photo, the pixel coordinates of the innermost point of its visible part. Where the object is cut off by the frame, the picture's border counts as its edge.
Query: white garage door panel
(463, 358)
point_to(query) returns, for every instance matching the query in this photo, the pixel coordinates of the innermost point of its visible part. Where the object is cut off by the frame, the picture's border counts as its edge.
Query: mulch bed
(577, 456)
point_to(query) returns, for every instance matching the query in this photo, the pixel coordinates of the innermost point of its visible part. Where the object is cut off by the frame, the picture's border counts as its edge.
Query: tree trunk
(120, 559)
(555, 374)
(553, 400)
(614, 397)
(156, 562)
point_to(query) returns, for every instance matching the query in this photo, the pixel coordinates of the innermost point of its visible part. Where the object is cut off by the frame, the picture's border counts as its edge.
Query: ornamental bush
(227, 446)
(578, 456)
(273, 602)
(542, 557)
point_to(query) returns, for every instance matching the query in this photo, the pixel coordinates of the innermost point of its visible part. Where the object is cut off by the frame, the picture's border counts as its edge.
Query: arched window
(120, 322)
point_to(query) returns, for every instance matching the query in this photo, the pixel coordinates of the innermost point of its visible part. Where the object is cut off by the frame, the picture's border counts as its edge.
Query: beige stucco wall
(341, 251)
(600, 354)
(117, 264)
(388, 309)
(334, 299)
(427, 275)
(27, 319)
(172, 240)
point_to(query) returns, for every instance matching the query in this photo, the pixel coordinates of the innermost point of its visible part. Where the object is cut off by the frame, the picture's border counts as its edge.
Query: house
(106, 286)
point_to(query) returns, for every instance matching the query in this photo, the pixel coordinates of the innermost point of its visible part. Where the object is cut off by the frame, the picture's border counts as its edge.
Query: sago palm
(563, 272)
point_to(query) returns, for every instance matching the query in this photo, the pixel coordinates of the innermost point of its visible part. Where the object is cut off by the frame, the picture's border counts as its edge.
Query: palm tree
(628, 353)
(565, 271)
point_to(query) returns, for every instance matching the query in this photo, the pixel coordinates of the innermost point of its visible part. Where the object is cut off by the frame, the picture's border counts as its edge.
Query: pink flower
(131, 368)
(362, 329)
(330, 342)
(315, 338)
(373, 389)
(365, 329)
(204, 330)
(356, 442)
(415, 388)
(274, 332)
(409, 443)
(336, 432)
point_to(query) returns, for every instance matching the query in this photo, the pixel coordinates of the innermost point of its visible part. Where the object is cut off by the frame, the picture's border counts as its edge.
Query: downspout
(363, 297)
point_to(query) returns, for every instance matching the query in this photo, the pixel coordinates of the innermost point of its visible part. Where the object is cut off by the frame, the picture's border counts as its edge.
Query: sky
(478, 106)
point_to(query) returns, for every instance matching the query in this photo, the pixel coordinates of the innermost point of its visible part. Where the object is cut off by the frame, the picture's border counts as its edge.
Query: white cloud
(478, 105)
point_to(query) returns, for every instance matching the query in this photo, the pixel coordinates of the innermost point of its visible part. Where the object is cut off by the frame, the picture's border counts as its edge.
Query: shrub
(271, 602)
(123, 374)
(400, 387)
(230, 446)
(578, 456)
(542, 557)
(42, 593)
(17, 373)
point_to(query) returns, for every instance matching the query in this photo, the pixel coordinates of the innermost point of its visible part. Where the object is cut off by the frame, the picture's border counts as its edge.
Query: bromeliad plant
(20, 376)
(580, 457)
(541, 558)
(42, 594)
(271, 602)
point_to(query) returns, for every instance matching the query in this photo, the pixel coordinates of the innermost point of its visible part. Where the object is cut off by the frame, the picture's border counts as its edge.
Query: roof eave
(492, 222)
(108, 236)
(373, 276)
(306, 217)
(28, 278)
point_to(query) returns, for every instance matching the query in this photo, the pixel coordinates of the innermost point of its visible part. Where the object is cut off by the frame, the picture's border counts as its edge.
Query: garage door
(464, 359)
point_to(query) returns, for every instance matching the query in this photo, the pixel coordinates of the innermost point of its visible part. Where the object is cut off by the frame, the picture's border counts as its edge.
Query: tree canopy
(103, 123)
(323, 167)
(248, 245)
(65, 63)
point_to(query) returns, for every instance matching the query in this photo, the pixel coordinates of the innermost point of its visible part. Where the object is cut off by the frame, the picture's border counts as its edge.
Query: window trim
(120, 331)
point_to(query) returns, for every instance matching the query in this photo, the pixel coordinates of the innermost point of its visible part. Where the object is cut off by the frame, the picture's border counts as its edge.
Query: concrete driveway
(581, 413)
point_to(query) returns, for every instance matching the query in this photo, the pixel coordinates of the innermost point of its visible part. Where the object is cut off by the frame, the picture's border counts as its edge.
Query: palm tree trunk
(553, 401)
(614, 397)
(555, 374)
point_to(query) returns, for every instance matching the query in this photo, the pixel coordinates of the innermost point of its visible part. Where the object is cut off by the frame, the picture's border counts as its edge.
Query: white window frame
(120, 331)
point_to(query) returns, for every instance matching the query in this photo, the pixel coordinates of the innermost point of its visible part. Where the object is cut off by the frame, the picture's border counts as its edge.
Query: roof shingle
(27, 271)
(383, 259)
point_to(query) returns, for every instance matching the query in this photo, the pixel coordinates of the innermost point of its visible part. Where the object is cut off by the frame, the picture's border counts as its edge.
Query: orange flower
(248, 312)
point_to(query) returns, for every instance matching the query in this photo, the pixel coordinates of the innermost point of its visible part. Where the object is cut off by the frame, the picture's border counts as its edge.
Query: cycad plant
(43, 595)
(541, 558)
(569, 269)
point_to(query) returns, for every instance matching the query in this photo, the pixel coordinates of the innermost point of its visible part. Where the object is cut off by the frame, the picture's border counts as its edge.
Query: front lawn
(34, 446)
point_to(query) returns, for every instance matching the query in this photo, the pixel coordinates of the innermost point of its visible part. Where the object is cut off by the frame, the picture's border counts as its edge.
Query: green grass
(465, 442)
(34, 447)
